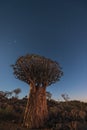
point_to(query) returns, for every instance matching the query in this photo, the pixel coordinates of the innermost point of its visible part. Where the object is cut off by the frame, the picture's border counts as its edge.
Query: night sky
(56, 29)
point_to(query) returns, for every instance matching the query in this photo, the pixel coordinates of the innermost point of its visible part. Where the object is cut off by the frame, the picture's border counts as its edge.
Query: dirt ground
(13, 126)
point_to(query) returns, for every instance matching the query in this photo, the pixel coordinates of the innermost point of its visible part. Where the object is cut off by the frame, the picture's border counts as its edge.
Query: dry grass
(62, 116)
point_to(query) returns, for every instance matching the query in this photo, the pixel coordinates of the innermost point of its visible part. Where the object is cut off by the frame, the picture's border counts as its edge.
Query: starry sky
(56, 29)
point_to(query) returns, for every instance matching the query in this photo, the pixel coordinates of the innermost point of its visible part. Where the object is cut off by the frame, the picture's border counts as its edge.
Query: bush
(7, 114)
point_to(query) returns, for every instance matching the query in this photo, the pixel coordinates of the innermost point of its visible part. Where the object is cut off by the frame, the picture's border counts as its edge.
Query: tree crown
(37, 69)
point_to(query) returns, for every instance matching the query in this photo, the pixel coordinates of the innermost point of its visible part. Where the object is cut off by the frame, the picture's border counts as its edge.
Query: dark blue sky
(56, 29)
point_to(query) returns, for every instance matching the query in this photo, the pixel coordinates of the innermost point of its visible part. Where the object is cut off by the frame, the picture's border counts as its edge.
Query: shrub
(7, 114)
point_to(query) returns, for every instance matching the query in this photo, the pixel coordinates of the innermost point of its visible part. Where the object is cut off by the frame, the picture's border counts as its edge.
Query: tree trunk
(36, 111)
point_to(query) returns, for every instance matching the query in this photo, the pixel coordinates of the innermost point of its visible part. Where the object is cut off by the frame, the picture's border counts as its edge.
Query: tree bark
(36, 111)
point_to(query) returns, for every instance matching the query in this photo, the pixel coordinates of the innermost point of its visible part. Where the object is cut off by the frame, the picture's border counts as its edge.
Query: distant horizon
(56, 99)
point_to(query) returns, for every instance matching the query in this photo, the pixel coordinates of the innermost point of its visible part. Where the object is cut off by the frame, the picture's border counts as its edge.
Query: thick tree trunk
(36, 111)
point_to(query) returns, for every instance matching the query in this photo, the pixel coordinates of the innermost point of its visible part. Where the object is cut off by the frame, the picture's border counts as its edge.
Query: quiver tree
(39, 72)
(16, 91)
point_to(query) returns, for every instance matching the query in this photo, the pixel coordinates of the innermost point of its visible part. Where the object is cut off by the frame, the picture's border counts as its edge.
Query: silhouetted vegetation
(62, 116)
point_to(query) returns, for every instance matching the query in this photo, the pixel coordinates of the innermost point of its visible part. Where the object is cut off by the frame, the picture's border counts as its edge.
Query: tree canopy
(16, 91)
(37, 69)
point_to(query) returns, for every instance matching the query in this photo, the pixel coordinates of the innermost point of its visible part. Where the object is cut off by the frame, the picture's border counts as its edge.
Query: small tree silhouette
(8, 94)
(65, 97)
(5, 94)
(17, 91)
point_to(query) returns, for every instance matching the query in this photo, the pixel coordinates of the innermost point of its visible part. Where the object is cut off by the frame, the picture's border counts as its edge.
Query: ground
(71, 115)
